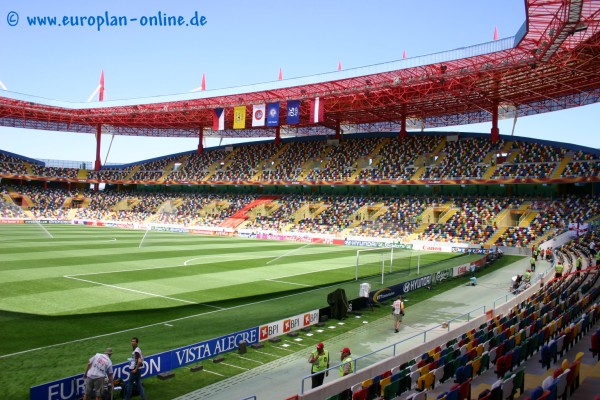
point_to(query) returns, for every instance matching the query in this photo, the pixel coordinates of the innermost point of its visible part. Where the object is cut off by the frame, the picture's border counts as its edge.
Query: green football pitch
(68, 291)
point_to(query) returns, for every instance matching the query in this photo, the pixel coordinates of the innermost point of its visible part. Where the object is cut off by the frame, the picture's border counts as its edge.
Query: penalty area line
(287, 283)
(130, 290)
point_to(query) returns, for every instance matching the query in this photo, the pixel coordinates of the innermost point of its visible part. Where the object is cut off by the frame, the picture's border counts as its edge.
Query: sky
(240, 43)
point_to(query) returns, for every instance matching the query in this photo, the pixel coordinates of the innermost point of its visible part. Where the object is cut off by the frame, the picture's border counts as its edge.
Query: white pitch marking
(287, 283)
(158, 324)
(284, 348)
(249, 359)
(288, 253)
(212, 372)
(235, 366)
(131, 290)
(291, 343)
(267, 354)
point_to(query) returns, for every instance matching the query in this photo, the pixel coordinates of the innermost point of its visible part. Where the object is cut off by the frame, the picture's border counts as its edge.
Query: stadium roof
(552, 63)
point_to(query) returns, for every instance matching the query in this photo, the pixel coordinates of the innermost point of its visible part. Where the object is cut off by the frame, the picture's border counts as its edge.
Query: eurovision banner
(71, 388)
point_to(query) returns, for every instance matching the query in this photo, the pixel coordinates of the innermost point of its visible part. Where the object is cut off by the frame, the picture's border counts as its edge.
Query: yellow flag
(239, 117)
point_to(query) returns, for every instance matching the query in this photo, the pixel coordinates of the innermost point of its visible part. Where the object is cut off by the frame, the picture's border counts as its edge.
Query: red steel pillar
(495, 133)
(278, 135)
(403, 132)
(200, 139)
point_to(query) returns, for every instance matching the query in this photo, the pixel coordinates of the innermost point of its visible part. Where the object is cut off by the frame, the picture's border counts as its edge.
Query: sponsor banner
(401, 288)
(376, 243)
(11, 221)
(47, 221)
(118, 224)
(468, 267)
(169, 228)
(247, 235)
(442, 275)
(86, 222)
(210, 348)
(269, 236)
(291, 324)
(201, 231)
(72, 387)
(472, 250)
(437, 246)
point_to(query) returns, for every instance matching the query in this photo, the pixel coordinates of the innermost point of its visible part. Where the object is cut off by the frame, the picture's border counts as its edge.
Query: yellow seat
(367, 383)
(384, 382)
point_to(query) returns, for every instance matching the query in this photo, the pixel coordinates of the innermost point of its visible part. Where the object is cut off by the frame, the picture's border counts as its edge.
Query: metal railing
(394, 347)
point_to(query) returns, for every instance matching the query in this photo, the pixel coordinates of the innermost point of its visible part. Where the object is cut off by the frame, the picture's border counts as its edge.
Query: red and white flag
(101, 92)
(258, 114)
(218, 119)
(317, 111)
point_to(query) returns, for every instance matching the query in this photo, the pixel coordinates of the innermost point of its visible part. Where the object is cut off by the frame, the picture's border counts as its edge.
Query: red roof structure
(552, 63)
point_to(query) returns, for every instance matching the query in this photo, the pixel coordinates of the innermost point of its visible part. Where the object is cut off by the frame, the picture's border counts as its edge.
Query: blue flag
(273, 114)
(293, 112)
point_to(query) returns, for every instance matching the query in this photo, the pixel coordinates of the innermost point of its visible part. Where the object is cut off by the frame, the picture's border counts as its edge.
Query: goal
(371, 262)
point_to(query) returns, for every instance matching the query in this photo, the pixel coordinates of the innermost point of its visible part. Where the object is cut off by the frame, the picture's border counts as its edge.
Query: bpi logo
(311, 318)
(258, 115)
(268, 331)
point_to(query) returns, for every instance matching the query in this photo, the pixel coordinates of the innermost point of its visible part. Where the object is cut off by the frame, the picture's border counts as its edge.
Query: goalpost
(374, 261)
(11, 210)
(163, 216)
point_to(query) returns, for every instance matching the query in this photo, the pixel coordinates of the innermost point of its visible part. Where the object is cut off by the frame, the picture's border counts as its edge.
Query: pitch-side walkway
(283, 378)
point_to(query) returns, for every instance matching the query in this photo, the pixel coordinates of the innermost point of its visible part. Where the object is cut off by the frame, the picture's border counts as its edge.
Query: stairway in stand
(242, 214)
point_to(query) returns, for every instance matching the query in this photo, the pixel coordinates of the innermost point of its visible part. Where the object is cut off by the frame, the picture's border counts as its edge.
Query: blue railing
(394, 347)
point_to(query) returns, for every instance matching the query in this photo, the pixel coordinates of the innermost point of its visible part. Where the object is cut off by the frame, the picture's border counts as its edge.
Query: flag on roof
(317, 111)
(293, 112)
(273, 114)
(258, 115)
(101, 93)
(218, 119)
(239, 117)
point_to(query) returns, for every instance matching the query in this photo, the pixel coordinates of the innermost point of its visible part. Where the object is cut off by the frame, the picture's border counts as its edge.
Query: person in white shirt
(398, 312)
(97, 369)
(135, 366)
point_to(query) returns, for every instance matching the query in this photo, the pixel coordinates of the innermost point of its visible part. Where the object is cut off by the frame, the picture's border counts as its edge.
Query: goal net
(382, 262)
(372, 262)
(165, 219)
(9, 210)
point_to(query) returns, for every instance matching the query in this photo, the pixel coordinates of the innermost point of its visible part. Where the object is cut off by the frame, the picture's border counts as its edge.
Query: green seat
(391, 390)
(519, 381)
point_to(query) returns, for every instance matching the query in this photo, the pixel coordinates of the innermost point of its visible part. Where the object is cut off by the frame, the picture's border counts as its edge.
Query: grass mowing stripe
(100, 256)
(238, 288)
(131, 290)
